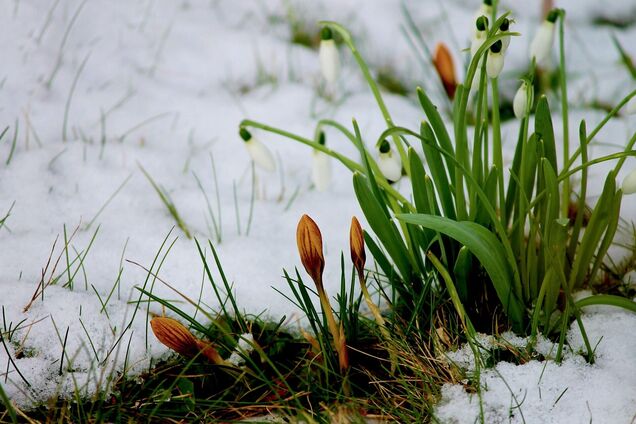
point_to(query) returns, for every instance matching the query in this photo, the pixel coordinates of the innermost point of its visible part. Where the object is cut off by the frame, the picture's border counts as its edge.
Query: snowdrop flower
(495, 61)
(321, 167)
(481, 33)
(504, 28)
(520, 104)
(389, 162)
(541, 45)
(257, 150)
(629, 183)
(328, 55)
(631, 106)
(485, 9)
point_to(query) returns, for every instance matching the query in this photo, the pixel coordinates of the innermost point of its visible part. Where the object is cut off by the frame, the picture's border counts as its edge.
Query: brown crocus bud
(173, 334)
(356, 244)
(309, 242)
(445, 67)
(210, 352)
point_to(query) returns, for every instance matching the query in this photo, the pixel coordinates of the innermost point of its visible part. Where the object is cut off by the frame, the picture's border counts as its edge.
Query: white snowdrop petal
(321, 170)
(329, 60)
(390, 165)
(494, 64)
(629, 183)
(541, 45)
(260, 154)
(505, 43)
(478, 40)
(520, 102)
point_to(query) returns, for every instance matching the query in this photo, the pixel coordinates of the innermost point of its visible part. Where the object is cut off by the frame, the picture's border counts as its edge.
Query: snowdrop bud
(389, 162)
(495, 61)
(629, 183)
(631, 106)
(541, 45)
(503, 29)
(481, 33)
(520, 102)
(328, 55)
(257, 150)
(321, 167)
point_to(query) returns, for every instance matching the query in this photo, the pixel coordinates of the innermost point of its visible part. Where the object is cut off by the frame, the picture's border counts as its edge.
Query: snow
(99, 89)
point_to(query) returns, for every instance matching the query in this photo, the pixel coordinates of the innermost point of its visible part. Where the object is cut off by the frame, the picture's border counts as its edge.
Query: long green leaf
(487, 249)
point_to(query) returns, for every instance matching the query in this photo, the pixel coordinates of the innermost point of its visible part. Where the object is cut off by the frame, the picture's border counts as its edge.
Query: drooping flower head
(495, 61)
(523, 99)
(389, 162)
(328, 55)
(321, 166)
(541, 45)
(261, 156)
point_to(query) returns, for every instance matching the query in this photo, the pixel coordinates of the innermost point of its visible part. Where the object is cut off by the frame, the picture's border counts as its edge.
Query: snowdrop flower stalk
(495, 61)
(629, 183)
(328, 55)
(523, 100)
(321, 167)
(257, 150)
(541, 45)
(389, 162)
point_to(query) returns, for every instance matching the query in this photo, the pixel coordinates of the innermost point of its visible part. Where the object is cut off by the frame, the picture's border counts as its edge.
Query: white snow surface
(95, 90)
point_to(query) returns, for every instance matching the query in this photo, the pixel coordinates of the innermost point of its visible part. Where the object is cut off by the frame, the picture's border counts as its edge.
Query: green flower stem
(346, 36)
(460, 124)
(350, 164)
(598, 128)
(565, 202)
(497, 153)
(628, 148)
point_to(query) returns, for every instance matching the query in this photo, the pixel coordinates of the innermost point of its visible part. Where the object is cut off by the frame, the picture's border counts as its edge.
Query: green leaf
(461, 270)
(597, 225)
(439, 173)
(607, 299)
(489, 252)
(382, 226)
(543, 126)
(436, 121)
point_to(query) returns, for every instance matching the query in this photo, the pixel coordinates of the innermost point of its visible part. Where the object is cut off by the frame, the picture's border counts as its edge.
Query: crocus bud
(631, 106)
(356, 244)
(389, 162)
(503, 29)
(520, 104)
(328, 55)
(481, 33)
(629, 183)
(443, 62)
(173, 334)
(261, 156)
(495, 61)
(309, 241)
(321, 167)
(541, 45)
